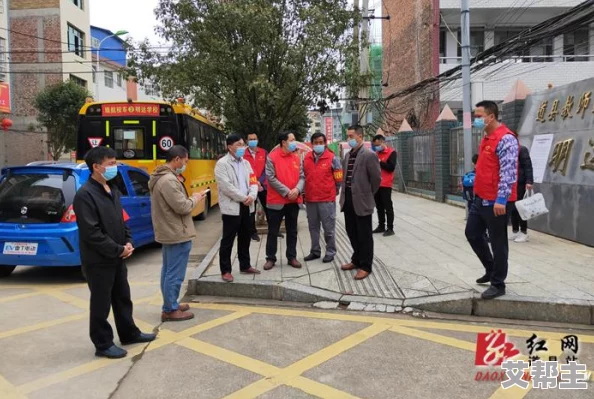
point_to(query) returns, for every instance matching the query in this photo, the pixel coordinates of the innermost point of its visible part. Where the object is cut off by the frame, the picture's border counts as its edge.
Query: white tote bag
(531, 206)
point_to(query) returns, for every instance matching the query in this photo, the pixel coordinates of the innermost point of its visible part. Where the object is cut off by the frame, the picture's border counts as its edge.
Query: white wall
(115, 93)
(80, 19)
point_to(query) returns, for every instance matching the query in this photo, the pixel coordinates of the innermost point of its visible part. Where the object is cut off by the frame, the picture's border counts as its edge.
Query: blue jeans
(175, 263)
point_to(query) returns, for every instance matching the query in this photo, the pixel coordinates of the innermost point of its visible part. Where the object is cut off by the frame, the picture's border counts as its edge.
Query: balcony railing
(529, 58)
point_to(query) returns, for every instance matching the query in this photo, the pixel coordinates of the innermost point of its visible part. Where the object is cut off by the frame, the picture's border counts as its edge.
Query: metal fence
(421, 155)
(457, 156)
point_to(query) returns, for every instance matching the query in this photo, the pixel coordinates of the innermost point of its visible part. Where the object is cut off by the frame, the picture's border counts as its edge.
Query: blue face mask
(240, 152)
(181, 170)
(292, 146)
(378, 148)
(319, 148)
(479, 123)
(253, 143)
(110, 172)
(353, 143)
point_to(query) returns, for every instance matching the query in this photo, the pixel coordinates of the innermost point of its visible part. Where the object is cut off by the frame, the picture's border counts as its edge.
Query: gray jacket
(229, 194)
(366, 180)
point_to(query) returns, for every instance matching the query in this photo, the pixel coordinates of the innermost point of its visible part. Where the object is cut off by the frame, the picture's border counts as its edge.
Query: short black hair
(379, 137)
(358, 129)
(233, 138)
(490, 107)
(475, 159)
(316, 135)
(97, 155)
(254, 133)
(176, 151)
(284, 136)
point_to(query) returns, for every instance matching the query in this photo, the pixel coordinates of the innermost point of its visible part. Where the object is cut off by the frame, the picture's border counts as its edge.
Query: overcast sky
(135, 16)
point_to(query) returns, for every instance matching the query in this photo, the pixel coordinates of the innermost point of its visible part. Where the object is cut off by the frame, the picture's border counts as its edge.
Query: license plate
(20, 248)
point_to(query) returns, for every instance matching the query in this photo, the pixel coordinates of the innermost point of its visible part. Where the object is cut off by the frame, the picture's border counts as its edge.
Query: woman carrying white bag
(525, 182)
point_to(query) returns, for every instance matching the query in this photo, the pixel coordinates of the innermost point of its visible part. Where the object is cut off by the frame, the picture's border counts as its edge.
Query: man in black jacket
(525, 182)
(105, 242)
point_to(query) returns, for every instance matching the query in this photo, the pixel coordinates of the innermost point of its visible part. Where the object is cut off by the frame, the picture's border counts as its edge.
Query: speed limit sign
(165, 143)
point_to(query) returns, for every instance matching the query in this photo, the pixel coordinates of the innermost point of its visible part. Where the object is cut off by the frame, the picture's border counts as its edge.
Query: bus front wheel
(6, 270)
(204, 213)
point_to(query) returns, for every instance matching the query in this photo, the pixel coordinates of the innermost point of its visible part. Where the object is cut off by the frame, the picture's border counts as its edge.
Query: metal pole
(466, 99)
(364, 60)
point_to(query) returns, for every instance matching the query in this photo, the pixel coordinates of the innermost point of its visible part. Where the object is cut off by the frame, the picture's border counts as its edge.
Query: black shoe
(113, 352)
(389, 233)
(493, 292)
(311, 257)
(483, 280)
(379, 229)
(328, 259)
(255, 237)
(143, 337)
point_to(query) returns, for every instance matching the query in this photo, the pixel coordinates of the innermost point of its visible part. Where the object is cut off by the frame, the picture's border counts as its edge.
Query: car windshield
(36, 197)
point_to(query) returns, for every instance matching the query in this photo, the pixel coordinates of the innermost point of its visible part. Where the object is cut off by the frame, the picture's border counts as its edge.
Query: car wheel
(6, 270)
(204, 214)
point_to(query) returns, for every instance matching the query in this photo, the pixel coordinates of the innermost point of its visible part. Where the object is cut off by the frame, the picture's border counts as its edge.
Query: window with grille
(78, 81)
(109, 79)
(119, 79)
(76, 41)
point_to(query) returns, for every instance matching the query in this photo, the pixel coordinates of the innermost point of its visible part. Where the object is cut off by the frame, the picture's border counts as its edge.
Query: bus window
(129, 142)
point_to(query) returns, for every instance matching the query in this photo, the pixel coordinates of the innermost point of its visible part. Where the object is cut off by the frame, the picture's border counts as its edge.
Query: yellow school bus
(142, 132)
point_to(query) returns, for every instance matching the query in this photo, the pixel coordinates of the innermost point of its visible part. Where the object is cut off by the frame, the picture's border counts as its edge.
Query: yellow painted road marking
(440, 339)
(19, 296)
(8, 391)
(67, 298)
(40, 326)
(318, 389)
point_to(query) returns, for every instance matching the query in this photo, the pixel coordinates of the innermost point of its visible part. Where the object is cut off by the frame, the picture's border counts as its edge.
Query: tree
(260, 63)
(58, 107)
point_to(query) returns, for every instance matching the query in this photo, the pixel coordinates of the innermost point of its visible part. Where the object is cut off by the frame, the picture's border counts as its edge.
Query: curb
(467, 303)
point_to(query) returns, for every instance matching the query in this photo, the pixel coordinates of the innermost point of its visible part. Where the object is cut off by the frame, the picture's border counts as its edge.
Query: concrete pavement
(428, 265)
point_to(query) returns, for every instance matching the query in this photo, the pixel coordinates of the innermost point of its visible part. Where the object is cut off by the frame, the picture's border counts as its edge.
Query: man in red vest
(495, 187)
(285, 185)
(323, 176)
(383, 197)
(256, 156)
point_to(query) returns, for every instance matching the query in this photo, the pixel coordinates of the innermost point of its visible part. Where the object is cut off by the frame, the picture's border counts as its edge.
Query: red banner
(329, 130)
(5, 98)
(130, 110)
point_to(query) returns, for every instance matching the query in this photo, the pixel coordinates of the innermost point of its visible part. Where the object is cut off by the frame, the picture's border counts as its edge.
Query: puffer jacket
(171, 207)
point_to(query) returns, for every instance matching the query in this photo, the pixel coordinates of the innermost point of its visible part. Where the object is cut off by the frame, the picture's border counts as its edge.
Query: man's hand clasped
(127, 252)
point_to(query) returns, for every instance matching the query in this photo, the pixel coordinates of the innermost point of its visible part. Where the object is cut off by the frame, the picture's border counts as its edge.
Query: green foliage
(58, 107)
(260, 63)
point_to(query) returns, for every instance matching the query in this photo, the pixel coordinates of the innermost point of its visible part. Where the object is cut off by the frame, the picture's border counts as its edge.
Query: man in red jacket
(323, 176)
(285, 185)
(495, 187)
(383, 197)
(256, 156)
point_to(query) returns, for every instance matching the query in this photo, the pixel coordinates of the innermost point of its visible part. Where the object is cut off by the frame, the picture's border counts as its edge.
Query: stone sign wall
(563, 117)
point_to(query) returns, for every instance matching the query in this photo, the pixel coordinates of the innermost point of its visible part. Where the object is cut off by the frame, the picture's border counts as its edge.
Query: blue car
(37, 222)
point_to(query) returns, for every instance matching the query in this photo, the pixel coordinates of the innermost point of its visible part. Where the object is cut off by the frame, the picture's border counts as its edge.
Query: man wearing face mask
(105, 244)
(171, 211)
(362, 180)
(238, 188)
(256, 156)
(383, 197)
(323, 176)
(285, 185)
(495, 189)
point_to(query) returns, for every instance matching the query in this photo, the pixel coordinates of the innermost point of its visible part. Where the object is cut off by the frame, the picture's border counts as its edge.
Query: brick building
(49, 42)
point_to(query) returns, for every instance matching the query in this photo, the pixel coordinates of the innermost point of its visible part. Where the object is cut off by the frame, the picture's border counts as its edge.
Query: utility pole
(352, 103)
(466, 95)
(364, 59)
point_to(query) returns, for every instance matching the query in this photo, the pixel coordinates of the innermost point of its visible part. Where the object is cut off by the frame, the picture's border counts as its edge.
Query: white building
(557, 60)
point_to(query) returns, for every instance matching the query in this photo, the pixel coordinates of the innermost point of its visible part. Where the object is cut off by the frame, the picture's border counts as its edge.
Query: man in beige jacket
(171, 211)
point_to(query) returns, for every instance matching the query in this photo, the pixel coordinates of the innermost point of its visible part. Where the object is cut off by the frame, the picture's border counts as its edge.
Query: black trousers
(240, 227)
(290, 213)
(517, 223)
(383, 203)
(110, 289)
(480, 219)
(359, 230)
(262, 200)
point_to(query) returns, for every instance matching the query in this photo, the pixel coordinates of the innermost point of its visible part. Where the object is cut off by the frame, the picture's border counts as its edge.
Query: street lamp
(118, 33)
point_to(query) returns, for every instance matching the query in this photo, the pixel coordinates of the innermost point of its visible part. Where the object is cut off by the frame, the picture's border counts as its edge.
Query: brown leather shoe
(295, 263)
(269, 265)
(184, 307)
(348, 266)
(227, 277)
(251, 270)
(361, 275)
(176, 315)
